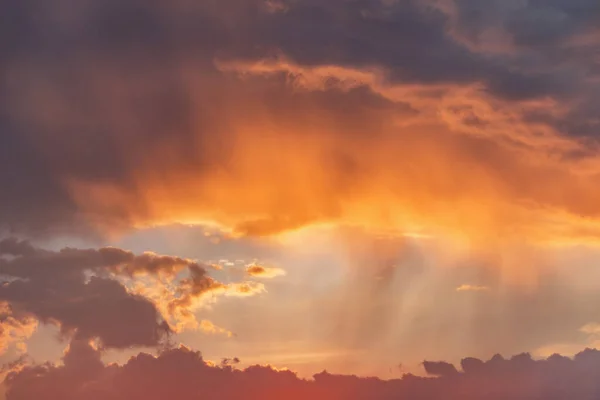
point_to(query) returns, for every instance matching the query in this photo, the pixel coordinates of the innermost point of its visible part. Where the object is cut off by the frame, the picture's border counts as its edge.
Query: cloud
(209, 327)
(99, 294)
(439, 368)
(15, 247)
(381, 113)
(472, 288)
(537, 25)
(439, 117)
(245, 289)
(14, 330)
(184, 373)
(591, 328)
(259, 271)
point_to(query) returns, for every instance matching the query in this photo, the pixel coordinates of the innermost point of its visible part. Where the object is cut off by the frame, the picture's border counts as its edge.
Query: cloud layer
(184, 374)
(270, 115)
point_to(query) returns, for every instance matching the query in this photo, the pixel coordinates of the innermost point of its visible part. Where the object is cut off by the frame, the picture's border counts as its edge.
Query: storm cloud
(123, 114)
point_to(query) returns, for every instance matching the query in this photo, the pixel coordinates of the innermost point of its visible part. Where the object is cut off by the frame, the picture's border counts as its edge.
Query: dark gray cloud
(536, 24)
(183, 373)
(552, 22)
(409, 39)
(16, 247)
(100, 308)
(77, 290)
(550, 40)
(440, 368)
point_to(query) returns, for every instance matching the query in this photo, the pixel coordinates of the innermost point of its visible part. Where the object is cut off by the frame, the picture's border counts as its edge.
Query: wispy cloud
(472, 288)
(260, 271)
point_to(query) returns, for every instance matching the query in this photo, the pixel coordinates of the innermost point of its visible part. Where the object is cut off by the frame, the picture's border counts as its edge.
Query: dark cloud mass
(81, 292)
(109, 109)
(183, 374)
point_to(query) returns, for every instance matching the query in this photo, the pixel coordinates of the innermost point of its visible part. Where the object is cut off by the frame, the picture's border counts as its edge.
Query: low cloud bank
(183, 374)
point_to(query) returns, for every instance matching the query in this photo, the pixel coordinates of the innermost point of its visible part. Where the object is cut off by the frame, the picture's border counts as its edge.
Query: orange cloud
(449, 141)
(209, 327)
(465, 164)
(14, 330)
(259, 271)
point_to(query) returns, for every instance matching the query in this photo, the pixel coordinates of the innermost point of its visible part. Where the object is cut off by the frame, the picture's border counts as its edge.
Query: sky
(265, 199)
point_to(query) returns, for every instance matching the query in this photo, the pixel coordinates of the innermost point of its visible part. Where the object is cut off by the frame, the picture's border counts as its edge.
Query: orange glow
(448, 184)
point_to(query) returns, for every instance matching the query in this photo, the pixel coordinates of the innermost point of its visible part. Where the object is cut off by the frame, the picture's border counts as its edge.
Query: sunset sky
(219, 199)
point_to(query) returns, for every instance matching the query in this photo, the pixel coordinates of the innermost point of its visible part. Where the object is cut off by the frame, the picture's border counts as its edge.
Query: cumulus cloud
(185, 374)
(98, 294)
